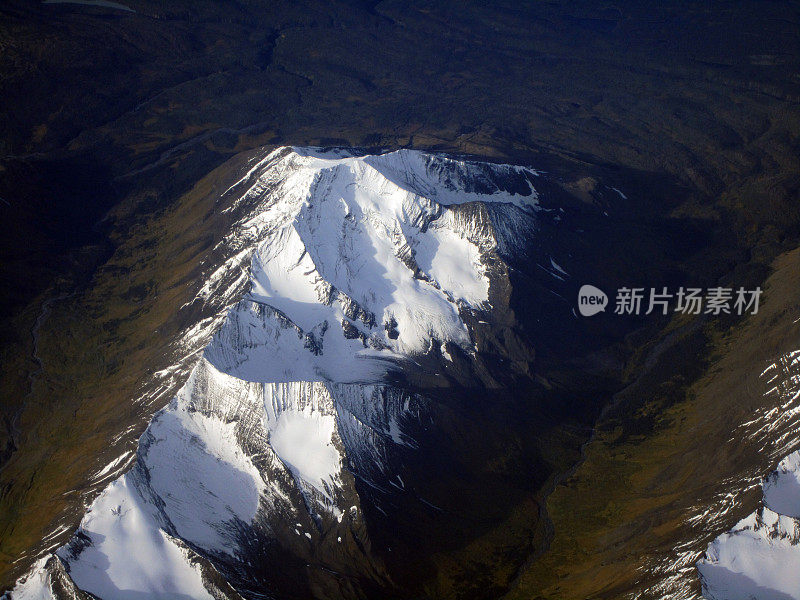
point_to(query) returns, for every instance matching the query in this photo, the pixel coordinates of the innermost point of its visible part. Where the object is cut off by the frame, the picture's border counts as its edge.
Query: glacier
(344, 272)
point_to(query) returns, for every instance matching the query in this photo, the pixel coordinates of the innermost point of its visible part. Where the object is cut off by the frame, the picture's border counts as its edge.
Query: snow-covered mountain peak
(338, 268)
(444, 179)
(362, 257)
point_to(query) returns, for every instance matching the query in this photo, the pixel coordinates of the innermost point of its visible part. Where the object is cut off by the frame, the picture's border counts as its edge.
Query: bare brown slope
(654, 481)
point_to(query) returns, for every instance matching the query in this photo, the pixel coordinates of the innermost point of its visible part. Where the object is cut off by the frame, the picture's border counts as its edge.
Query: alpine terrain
(291, 308)
(349, 281)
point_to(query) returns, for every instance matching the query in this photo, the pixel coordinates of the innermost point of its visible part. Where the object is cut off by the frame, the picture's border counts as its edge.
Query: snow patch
(303, 440)
(129, 555)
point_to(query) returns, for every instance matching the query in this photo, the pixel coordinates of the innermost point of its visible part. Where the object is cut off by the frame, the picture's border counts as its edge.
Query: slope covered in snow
(356, 267)
(760, 556)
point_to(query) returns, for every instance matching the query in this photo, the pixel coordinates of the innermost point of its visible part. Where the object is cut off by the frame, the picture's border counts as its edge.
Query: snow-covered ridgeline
(218, 467)
(376, 255)
(354, 265)
(760, 556)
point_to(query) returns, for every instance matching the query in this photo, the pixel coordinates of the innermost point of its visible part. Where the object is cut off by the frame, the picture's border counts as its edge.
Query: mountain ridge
(307, 441)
